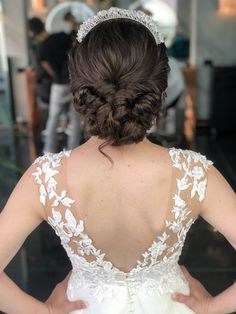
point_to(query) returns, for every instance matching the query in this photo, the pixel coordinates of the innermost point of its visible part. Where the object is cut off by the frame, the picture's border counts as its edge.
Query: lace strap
(191, 181)
(46, 170)
(194, 166)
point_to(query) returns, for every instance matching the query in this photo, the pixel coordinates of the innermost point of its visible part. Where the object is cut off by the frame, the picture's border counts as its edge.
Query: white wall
(14, 25)
(16, 48)
(213, 37)
(216, 35)
(215, 41)
(183, 12)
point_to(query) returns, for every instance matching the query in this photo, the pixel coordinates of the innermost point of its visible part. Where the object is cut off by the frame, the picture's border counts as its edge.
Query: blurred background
(200, 112)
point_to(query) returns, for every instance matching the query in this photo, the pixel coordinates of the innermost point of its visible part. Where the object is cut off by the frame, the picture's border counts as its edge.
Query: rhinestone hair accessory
(114, 13)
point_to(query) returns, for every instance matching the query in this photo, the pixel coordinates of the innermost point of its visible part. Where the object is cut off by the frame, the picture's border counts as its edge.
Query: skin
(24, 212)
(47, 67)
(57, 302)
(73, 23)
(201, 302)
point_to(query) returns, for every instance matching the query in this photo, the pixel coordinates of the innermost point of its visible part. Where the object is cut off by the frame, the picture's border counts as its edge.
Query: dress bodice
(158, 272)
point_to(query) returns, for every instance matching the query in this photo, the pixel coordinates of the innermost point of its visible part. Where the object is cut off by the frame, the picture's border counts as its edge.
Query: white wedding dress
(147, 288)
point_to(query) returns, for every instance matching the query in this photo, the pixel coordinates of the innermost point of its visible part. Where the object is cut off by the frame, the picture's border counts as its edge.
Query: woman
(199, 300)
(121, 205)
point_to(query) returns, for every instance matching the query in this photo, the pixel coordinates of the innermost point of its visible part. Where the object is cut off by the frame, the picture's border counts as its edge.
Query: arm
(219, 209)
(225, 301)
(47, 67)
(21, 215)
(201, 302)
(23, 303)
(57, 302)
(44, 59)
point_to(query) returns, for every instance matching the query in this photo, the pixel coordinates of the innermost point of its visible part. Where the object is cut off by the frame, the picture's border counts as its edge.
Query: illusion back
(147, 286)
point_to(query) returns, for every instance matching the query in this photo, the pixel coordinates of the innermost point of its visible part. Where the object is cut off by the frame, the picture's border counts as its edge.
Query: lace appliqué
(197, 172)
(99, 274)
(192, 179)
(50, 162)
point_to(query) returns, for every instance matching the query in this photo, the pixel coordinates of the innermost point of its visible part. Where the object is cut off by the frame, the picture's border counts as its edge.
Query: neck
(42, 36)
(76, 26)
(94, 142)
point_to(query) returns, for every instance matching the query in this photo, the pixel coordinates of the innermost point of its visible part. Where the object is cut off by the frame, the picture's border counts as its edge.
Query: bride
(121, 205)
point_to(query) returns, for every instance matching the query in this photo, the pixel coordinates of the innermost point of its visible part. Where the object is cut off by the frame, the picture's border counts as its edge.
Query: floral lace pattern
(160, 261)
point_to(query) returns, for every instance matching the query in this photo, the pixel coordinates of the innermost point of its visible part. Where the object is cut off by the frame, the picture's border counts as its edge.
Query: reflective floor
(41, 262)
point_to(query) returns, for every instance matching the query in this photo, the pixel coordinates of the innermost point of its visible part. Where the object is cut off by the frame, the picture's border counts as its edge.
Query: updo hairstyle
(118, 81)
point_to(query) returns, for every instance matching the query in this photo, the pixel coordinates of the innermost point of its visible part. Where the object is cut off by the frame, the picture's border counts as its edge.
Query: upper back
(138, 210)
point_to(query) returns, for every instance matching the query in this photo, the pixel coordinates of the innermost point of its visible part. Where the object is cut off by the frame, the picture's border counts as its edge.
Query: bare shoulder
(160, 155)
(25, 196)
(151, 151)
(219, 205)
(218, 188)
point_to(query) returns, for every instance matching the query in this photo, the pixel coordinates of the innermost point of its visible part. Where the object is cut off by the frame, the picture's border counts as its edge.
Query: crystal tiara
(114, 13)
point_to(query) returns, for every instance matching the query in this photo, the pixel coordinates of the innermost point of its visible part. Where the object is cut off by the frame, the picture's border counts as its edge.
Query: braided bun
(118, 80)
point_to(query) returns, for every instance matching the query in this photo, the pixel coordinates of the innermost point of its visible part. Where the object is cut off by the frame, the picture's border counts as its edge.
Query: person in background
(175, 90)
(38, 35)
(53, 57)
(70, 19)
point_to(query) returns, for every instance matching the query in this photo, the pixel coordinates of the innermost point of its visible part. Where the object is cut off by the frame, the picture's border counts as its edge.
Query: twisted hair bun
(119, 115)
(118, 79)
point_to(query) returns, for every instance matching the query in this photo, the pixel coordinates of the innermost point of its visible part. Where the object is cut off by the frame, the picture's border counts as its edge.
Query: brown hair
(118, 79)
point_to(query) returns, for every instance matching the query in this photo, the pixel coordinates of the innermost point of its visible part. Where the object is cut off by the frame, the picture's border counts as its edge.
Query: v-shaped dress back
(147, 287)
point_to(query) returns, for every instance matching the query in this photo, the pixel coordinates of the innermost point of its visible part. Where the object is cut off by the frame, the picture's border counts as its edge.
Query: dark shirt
(43, 79)
(54, 50)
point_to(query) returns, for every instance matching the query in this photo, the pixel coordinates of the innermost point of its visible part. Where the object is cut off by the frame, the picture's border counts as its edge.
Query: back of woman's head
(118, 78)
